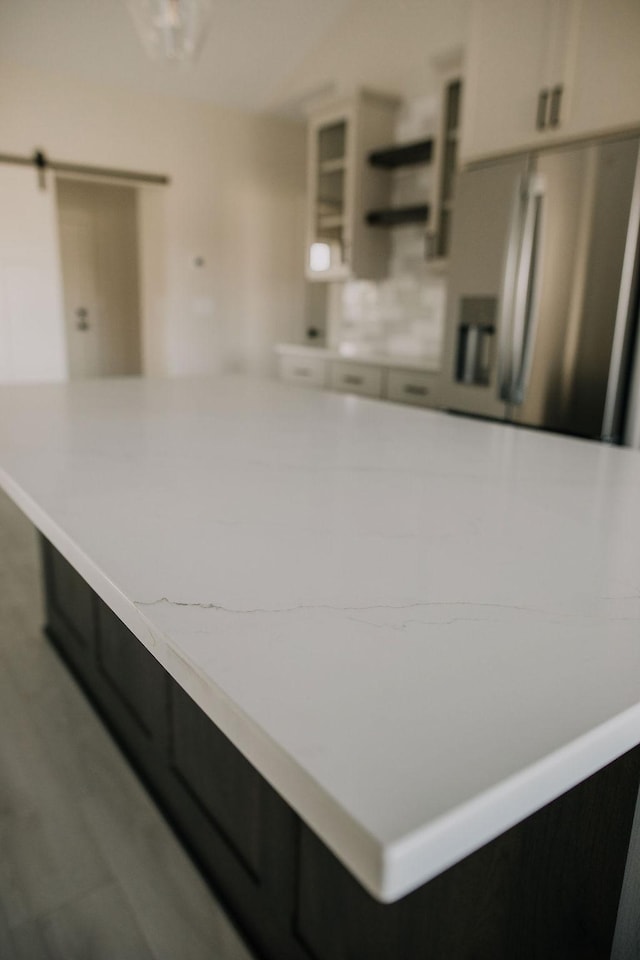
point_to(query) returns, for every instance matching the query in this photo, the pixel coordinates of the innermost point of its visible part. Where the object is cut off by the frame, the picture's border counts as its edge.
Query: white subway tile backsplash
(403, 315)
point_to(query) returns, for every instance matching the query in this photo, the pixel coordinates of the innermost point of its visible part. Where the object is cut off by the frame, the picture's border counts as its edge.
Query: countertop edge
(387, 871)
(350, 842)
(418, 364)
(465, 829)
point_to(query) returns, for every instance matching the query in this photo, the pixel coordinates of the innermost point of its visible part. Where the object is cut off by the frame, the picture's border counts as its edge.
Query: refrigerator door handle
(508, 293)
(623, 330)
(527, 296)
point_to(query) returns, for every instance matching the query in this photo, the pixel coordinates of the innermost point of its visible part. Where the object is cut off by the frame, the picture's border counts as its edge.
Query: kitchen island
(380, 666)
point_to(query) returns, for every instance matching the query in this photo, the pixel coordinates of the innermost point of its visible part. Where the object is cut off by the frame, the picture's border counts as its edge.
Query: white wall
(236, 200)
(388, 45)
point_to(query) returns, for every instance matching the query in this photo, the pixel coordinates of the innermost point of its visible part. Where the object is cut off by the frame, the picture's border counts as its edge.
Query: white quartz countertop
(419, 628)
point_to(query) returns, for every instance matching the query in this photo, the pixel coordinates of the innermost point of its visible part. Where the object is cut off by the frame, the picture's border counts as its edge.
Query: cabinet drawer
(356, 378)
(412, 386)
(306, 371)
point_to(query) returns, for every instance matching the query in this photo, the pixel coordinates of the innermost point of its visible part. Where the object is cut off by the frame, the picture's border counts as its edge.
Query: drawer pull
(554, 112)
(353, 380)
(541, 113)
(414, 390)
(301, 371)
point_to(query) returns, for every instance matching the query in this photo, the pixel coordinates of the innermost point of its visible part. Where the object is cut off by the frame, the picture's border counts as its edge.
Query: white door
(31, 327)
(98, 247)
(77, 244)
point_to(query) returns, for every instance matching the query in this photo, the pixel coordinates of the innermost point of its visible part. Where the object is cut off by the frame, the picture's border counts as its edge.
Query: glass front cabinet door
(342, 187)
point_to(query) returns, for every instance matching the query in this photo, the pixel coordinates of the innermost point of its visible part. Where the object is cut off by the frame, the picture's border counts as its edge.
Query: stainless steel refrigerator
(542, 302)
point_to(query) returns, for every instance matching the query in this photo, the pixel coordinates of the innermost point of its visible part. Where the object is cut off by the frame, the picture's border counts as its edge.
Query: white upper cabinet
(342, 188)
(606, 85)
(542, 71)
(506, 61)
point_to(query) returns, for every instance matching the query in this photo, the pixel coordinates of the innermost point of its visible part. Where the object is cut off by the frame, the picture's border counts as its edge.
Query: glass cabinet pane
(452, 100)
(332, 142)
(328, 243)
(453, 105)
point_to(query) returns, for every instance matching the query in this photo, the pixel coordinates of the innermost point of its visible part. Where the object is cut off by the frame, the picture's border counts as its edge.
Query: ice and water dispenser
(476, 340)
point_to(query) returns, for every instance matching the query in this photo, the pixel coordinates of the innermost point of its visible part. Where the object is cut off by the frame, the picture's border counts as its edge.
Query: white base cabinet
(322, 369)
(412, 386)
(350, 377)
(306, 371)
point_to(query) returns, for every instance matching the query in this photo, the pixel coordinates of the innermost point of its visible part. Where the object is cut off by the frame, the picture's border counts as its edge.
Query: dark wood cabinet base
(548, 889)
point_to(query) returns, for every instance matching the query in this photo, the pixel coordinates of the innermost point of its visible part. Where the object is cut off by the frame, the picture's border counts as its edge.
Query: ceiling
(252, 46)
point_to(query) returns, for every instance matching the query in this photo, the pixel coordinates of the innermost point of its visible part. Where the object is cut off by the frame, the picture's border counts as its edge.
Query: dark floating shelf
(394, 217)
(404, 155)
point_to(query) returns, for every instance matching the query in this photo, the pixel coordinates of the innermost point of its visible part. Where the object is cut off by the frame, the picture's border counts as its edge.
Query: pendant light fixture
(171, 29)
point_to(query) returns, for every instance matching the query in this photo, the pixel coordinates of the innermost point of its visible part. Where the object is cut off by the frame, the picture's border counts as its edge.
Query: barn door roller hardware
(41, 163)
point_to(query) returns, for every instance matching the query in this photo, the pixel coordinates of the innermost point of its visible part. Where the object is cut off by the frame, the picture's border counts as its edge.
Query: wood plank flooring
(89, 870)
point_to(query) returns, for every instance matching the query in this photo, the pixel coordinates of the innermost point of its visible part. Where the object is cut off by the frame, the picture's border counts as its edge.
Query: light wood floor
(88, 868)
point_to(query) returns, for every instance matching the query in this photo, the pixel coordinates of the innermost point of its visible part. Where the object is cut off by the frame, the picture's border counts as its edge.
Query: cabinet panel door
(224, 784)
(457, 916)
(606, 88)
(133, 675)
(507, 63)
(237, 827)
(70, 613)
